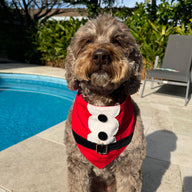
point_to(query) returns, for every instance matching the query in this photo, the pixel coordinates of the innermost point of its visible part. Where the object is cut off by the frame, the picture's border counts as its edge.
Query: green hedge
(152, 35)
(51, 39)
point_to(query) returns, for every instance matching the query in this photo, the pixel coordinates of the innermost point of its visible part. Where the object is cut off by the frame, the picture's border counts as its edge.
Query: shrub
(152, 39)
(152, 35)
(51, 40)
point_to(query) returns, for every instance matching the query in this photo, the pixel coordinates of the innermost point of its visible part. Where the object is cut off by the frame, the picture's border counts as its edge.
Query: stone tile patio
(38, 164)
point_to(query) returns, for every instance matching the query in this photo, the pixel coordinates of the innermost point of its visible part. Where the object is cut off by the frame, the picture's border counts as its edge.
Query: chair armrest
(191, 74)
(156, 62)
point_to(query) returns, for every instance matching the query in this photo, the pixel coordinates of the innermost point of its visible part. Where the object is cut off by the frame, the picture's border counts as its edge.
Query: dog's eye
(85, 41)
(116, 42)
(88, 41)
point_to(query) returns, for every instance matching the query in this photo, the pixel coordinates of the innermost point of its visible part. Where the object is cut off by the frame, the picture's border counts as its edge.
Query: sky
(128, 3)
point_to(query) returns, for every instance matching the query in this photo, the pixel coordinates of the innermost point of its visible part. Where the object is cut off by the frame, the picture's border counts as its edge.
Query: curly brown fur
(105, 81)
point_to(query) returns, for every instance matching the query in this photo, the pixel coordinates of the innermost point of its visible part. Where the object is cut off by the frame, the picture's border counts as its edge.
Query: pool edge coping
(32, 69)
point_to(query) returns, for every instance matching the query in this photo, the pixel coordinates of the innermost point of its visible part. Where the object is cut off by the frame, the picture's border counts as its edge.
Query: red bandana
(102, 125)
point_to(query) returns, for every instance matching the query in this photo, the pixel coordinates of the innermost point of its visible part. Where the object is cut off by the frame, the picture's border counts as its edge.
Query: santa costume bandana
(97, 129)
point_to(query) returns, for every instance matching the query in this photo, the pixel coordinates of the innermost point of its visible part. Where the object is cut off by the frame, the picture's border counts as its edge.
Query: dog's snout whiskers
(101, 57)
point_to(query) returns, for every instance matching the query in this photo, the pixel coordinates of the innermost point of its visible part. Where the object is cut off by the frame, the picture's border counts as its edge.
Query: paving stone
(160, 144)
(34, 165)
(147, 124)
(181, 113)
(55, 133)
(182, 127)
(161, 121)
(165, 94)
(166, 145)
(183, 153)
(186, 173)
(161, 176)
(146, 109)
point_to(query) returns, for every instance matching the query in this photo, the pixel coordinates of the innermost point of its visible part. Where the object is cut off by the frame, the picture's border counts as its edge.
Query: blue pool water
(30, 104)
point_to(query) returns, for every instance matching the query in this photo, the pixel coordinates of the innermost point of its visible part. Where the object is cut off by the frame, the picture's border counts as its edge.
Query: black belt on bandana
(102, 149)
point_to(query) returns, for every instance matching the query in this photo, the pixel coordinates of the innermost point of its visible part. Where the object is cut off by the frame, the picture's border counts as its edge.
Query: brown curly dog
(104, 136)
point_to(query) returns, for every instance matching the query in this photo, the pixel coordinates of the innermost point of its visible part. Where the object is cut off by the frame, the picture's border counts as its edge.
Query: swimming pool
(30, 104)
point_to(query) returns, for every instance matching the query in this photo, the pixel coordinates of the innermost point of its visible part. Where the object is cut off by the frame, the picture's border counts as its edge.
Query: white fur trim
(110, 127)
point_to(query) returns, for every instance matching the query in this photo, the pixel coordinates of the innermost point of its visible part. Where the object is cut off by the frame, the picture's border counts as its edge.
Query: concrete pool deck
(38, 164)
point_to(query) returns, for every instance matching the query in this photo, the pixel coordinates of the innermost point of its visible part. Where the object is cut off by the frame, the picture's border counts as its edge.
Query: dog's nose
(101, 57)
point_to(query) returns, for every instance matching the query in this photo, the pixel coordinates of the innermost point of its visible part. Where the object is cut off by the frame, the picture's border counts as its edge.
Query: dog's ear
(73, 83)
(137, 57)
(133, 84)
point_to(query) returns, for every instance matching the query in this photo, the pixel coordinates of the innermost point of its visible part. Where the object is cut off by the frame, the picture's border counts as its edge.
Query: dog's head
(103, 56)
